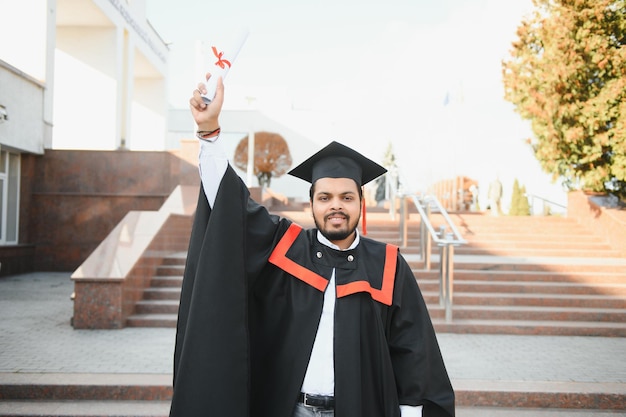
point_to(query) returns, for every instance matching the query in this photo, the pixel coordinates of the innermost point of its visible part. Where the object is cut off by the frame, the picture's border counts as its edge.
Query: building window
(9, 196)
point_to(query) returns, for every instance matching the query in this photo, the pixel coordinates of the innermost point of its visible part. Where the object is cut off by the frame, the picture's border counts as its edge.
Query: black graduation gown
(251, 301)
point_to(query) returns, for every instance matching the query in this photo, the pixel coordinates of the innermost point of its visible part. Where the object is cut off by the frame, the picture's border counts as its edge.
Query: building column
(125, 70)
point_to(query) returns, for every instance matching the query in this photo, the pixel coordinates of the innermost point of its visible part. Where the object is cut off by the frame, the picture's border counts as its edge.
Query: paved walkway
(36, 337)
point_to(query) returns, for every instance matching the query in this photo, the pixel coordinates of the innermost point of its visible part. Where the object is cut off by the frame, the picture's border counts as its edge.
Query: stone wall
(71, 199)
(609, 222)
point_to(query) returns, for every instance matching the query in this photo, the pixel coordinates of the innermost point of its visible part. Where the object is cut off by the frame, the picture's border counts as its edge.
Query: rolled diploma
(220, 57)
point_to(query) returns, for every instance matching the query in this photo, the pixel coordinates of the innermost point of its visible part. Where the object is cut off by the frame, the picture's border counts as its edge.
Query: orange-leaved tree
(271, 156)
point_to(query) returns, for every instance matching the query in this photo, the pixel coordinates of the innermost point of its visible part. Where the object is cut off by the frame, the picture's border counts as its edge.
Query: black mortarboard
(338, 161)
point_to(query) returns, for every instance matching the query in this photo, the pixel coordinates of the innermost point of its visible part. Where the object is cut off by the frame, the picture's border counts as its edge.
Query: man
(495, 196)
(278, 321)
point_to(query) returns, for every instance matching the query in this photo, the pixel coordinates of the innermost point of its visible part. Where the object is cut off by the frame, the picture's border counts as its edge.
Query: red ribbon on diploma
(221, 62)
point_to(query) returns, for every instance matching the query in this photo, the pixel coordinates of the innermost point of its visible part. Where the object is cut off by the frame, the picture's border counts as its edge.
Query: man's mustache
(335, 213)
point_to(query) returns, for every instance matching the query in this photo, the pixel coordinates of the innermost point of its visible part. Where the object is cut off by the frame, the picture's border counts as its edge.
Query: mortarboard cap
(338, 161)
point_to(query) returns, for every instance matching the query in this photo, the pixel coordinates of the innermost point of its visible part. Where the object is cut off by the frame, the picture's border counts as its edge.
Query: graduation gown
(250, 305)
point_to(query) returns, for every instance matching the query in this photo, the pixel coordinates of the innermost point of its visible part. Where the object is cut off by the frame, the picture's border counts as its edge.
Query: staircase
(159, 306)
(516, 275)
(530, 275)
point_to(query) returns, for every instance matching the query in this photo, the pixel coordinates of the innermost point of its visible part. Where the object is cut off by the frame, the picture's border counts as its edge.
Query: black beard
(337, 235)
(334, 235)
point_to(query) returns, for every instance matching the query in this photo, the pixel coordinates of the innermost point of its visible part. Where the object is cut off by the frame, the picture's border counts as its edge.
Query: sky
(421, 75)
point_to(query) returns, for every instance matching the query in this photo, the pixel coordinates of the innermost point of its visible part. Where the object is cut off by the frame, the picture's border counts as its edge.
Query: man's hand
(205, 115)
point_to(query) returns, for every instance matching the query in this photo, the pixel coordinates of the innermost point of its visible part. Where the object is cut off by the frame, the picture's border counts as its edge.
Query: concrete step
(149, 395)
(537, 244)
(531, 327)
(530, 228)
(88, 395)
(541, 395)
(527, 287)
(531, 300)
(161, 409)
(490, 236)
(175, 259)
(529, 250)
(513, 235)
(156, 307)
(472, 312)
(85, 386)
(82, 408)
(530, 235)
(538, 252)
(533, 412)
(526, 264)
(581, 277)
(497, 234)
(162, 281)
(152, 320)
(170, 269)
(525, 232)
(161, 293)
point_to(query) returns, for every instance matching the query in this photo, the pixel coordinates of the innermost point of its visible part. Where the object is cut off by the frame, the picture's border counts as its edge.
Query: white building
(76, 74)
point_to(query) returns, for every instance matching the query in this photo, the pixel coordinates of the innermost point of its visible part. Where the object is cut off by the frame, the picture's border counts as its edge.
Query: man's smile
(336, 218)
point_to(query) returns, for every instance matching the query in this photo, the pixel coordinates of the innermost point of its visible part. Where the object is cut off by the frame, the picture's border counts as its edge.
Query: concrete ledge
(112, 279)
(540, 394)
(607, 222)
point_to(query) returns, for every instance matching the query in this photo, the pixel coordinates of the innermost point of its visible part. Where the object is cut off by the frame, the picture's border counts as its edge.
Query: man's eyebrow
(340, 193)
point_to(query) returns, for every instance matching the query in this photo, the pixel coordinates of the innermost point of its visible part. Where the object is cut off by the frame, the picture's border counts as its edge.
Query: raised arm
(212, 160)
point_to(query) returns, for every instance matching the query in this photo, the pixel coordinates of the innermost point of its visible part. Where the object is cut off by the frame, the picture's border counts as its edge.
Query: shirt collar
(322, 239)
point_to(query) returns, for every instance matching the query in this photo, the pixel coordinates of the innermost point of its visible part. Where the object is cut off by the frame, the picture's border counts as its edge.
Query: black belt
(317, 401)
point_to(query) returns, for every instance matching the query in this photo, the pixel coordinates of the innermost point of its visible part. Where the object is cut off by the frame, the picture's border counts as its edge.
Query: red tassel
(364, 217)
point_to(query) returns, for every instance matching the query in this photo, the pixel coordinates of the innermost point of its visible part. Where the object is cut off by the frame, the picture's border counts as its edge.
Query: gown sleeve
(212, 166)
(229, 244)
(421, 376)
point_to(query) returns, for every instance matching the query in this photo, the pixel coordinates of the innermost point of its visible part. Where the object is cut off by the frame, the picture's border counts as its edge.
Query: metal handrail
(544, 200)
(445, 240)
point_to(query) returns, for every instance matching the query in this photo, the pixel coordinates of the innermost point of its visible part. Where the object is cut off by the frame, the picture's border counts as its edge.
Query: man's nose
(337, 204)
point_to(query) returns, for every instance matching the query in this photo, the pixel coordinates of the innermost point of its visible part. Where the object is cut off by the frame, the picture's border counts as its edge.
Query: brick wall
(71, 199)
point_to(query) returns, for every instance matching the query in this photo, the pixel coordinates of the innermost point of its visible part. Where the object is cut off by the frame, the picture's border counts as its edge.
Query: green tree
(523, 207)
(567, 76)
(519, 201)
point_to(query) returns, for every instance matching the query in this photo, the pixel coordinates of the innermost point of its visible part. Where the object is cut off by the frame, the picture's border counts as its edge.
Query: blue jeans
(302, 411)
